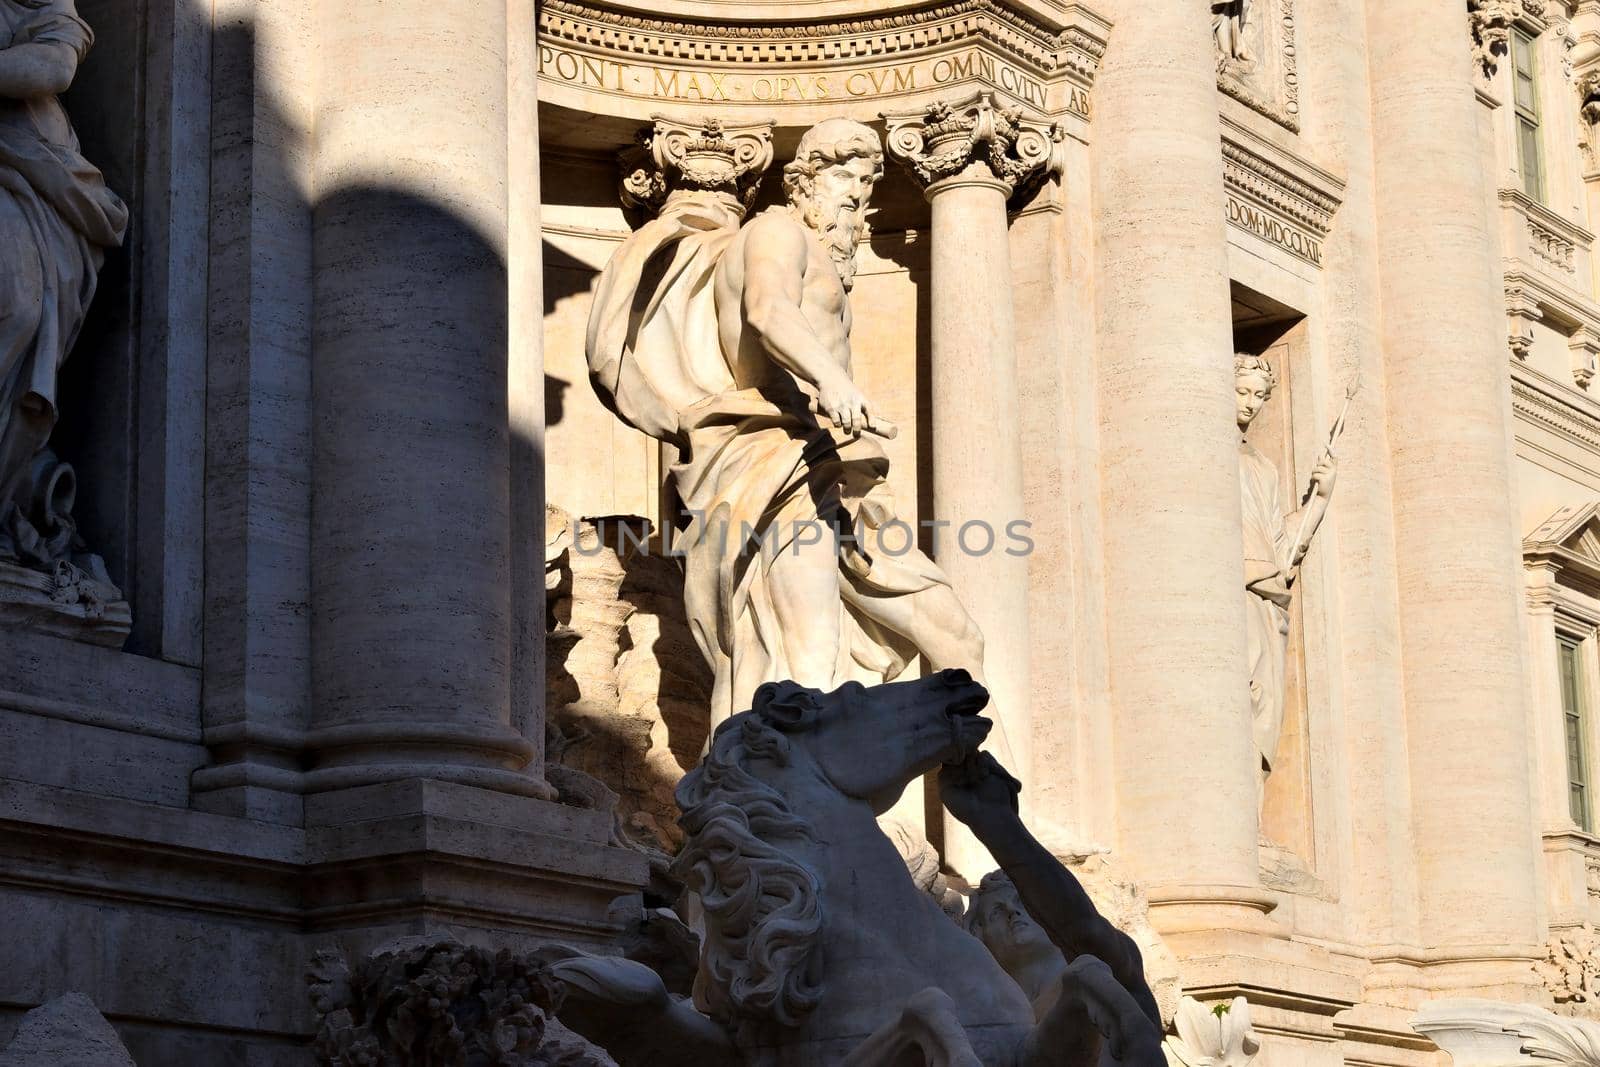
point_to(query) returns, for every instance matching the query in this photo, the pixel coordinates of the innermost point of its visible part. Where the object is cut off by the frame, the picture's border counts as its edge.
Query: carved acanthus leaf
(705, 157)
(949, 139)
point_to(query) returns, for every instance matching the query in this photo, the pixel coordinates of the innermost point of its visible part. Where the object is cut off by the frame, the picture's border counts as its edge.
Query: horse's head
(751, 801)
(869, 744)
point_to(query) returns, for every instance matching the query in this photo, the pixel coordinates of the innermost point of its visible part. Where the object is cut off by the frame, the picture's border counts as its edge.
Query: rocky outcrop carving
(69, 1031)
(423, 1002)
(1212, 1035)
(1122, 901)
(628, 690)
(60, 219)
(1571, 971)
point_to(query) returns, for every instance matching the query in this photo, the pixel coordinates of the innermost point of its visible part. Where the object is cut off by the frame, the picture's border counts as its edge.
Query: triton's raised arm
(982, 795)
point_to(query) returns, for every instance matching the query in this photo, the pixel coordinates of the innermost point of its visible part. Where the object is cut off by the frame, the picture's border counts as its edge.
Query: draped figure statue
(1274, 544)
(731, 344)
(57, 219)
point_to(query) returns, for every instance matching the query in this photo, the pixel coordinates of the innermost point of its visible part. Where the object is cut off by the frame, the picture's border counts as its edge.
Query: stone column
(411, 558)
(1185, 765)
(971, 158)
(1458, 572)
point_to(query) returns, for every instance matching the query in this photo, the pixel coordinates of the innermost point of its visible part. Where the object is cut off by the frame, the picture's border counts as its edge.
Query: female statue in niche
(57, 218)
(1274, 545)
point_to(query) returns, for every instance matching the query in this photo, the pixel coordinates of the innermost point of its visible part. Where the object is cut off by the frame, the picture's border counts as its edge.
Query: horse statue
(818, 947)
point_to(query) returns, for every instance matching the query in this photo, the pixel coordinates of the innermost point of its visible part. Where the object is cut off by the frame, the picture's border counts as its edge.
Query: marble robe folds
(1267, 569)
(750, 473)
(57, 218)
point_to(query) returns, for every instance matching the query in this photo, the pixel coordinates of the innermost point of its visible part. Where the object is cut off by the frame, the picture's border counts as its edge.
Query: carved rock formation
(1571, 971)
(1123, 902)
(424, 1002)
(69, 1031)
(628, 691)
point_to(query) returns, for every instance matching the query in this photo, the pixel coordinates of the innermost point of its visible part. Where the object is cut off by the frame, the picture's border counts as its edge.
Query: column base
(1189, 909)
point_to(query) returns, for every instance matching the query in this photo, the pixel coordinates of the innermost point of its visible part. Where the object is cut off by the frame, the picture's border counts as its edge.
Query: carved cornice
(1262, 179)
(1275, 196)
(866, 38)
(1542, 402)
(1043, 56)
(706, 157)
(947, 140)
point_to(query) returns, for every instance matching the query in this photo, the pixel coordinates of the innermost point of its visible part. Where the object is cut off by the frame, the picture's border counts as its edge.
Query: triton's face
(1007, 931)
(1250, 393)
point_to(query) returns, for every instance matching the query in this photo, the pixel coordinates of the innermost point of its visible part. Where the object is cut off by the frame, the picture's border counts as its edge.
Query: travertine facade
(340, 362)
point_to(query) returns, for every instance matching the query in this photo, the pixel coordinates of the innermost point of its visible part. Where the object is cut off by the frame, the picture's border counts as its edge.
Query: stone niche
(608, 70)
(132, 392)
(1276, 331)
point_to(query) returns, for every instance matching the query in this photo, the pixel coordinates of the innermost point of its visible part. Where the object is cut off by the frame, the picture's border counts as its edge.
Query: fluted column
(411, 572)
(971, 158)
(1458, 572)
(1184, 764)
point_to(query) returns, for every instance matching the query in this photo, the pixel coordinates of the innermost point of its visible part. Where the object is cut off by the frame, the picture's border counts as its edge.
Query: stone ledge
(56, 678)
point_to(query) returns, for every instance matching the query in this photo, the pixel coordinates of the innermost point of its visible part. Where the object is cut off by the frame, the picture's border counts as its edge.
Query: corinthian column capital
(703, 157)
(976, 138)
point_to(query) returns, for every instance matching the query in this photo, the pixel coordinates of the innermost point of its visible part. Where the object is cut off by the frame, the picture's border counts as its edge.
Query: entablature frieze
(1275, 195)
(612, 59)
(1539, 401)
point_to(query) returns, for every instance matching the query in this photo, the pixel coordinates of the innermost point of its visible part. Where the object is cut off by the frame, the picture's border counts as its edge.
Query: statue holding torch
(1275, 541)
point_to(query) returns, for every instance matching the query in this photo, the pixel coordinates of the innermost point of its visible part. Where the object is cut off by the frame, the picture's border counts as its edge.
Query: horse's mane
(759, 964)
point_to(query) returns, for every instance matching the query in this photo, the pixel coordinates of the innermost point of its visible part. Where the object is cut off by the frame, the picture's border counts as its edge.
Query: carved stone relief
(60, 220)
(627, 689)
(1256, 59)
(1571, 971)
(423, 1002)
(1490, 22)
